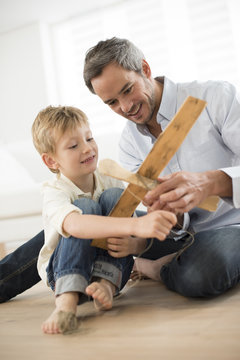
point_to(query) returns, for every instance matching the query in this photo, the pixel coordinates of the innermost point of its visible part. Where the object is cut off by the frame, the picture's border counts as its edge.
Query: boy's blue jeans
(75, 262)
(210, 266)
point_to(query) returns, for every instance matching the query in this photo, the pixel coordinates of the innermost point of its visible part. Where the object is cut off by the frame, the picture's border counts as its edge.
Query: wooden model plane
(161, 153)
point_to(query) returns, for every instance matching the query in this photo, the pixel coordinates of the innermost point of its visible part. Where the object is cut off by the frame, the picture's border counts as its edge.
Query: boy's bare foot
(150, 268)
(63, 318)
(102, 293)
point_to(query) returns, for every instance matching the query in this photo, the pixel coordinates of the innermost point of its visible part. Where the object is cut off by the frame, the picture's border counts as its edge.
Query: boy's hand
(156, 224)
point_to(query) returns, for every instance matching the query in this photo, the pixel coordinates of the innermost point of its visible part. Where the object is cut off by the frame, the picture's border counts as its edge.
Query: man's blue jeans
(18, 270)
(209, 267)
(75, 262)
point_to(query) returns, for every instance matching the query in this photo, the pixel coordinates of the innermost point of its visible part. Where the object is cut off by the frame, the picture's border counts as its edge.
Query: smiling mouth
(88, 159)
(136, 111)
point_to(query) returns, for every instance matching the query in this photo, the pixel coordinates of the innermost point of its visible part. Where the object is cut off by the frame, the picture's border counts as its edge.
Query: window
(182, 39)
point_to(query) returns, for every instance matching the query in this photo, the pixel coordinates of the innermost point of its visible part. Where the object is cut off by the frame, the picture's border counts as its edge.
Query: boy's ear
(146, 68)
(49, 161)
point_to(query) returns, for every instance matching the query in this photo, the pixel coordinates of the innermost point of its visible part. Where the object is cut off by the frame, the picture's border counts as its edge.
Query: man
(118, 73)
(206, 164)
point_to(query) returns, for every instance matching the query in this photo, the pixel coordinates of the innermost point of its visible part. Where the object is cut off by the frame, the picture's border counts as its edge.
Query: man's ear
(49, 161)
(146, 69)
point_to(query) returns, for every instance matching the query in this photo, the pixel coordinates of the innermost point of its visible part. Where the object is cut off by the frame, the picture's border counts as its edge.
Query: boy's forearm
(95, 226)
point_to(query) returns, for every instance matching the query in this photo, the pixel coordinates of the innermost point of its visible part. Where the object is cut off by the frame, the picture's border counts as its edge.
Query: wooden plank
(112, 168)
(161, 153)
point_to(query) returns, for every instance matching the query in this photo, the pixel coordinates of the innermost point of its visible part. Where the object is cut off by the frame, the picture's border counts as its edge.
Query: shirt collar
(168, 105)
(77, 190)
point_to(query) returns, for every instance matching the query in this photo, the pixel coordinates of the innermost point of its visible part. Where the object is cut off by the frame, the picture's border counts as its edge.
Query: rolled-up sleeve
(234, 173)
(227, 120)
(56, 206)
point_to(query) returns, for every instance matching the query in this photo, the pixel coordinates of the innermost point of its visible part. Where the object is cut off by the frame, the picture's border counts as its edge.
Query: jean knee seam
(21, 269)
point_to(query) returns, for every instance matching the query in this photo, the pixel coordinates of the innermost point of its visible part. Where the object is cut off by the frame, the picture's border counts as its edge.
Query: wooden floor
(147, 322)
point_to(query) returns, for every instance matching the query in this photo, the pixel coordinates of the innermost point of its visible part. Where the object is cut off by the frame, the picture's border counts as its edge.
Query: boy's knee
(109, 198)
(111, 194)
(88, 206)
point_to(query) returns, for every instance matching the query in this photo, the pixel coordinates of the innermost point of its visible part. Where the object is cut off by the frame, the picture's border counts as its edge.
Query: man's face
(128, 93)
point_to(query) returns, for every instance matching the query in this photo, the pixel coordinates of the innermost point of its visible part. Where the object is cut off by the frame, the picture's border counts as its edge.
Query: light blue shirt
(212, 143)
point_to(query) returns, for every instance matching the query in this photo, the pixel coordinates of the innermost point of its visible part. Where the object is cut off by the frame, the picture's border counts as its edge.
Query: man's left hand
(180, 192)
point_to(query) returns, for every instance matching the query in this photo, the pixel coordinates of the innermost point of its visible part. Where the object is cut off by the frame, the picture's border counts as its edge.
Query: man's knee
(200, 279)
(193, 282)
(209, 267)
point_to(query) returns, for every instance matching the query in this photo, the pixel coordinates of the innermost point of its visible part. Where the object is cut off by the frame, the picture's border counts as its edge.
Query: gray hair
(114, 50)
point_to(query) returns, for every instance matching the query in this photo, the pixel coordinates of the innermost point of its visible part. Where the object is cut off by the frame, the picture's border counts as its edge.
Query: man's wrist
(219, 183)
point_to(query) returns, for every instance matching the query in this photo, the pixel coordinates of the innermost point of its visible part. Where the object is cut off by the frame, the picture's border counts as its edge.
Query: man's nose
(126, 106)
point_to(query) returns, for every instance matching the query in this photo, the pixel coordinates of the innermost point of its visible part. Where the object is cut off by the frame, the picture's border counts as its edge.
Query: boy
(73, 205)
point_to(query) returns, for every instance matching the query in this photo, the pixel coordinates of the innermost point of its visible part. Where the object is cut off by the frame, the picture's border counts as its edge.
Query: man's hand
(181, 191)
(120, 247)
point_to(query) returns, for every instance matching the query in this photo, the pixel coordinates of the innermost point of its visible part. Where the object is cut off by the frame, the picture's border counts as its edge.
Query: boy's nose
(87, 147)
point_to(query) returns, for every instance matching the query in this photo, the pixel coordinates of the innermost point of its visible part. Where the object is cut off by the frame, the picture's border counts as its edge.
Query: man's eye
(128, 90)
(111, 103)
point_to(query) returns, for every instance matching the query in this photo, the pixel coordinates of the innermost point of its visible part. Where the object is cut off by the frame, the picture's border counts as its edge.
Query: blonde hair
(51, 123)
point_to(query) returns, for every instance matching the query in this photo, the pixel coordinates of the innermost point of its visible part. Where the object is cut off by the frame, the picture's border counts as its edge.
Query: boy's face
(128, 93)
(76, 153)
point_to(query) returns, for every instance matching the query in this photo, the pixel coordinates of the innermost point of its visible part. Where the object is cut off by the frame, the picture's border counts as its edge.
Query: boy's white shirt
(58, 197)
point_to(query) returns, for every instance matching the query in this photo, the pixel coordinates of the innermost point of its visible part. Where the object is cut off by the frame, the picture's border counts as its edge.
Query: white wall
(24, 90)
(28, 84)
(22, 85)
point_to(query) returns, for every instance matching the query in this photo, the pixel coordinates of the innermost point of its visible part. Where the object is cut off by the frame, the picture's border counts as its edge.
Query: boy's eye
(90, 139)
(73, 146)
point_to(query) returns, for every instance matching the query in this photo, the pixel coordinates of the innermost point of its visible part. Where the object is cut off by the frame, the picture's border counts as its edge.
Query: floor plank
(147, 322)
